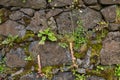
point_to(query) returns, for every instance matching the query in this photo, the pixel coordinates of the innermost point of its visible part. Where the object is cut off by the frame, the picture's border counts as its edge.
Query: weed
(2, 65)
(24, 1)
(49, 1)
(46, 34)
(117, 71)
(99, 68)
(79, 36)
(118, 14)
(63, 45)
(9, 40)
(29, 58)
(78, 76)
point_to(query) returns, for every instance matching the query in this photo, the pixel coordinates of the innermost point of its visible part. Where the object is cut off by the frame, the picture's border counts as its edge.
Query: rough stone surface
(50, 53)
(17, 15)
(114, 27)
(36, 4)
(110, 53)
(65, 23)
(64, 76)
(96, 7)
(30, 77)
(109, 13)
(11, 27)
(52, 24)
(61, 3)
(108, 2)
(95, 78)
(90, 2)
(89, 17)
(38, 21)
(28, 11)
(15, 58)
(53, 12)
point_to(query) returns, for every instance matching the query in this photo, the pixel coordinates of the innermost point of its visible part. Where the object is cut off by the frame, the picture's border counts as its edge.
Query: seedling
(46, 34)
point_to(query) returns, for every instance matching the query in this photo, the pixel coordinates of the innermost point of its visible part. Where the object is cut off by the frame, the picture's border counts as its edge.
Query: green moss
(118, 14)
(79, 55)
(48, 71)
(4, 15)
(108, 73)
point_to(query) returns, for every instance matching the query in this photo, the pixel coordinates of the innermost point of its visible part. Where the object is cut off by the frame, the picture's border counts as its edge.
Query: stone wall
(26, 18)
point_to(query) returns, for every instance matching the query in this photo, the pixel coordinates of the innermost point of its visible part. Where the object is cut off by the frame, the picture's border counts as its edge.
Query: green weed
(46, 34)
(9, 40)
(49, 1)
(78, 76)
(117, 71)
(2, 65)
(29, 58)
(79, 36)
(24, 1)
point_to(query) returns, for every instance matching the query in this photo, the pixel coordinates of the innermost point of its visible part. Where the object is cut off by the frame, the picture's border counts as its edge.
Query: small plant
(24, 1)
(49, 1)
(79, 36)
(78, 76)
(46, 34)
(118, 14)
(63, 45)
(29, 58)
(117, 71)
(9, 40)
(99, 68)
(2, 65)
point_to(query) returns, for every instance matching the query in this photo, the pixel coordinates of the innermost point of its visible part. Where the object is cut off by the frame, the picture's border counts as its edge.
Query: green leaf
(39, 35)
(42, 41)
(63, 45)
(47, 31)
(52, 38)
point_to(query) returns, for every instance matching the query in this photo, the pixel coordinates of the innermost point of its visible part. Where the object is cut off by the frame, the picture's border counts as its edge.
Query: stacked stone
(18, 17)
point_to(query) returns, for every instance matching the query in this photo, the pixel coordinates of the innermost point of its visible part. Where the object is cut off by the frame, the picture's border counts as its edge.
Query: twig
(72, 55)
(39, 66)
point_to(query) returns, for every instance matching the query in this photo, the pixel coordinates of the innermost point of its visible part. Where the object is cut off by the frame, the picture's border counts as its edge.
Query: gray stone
(90, 2)
(109, 13)
(16, 15)
(60, 3)
(89, 17)
(81, 70)
(50, 53)
(65, 23)
(86, 60)
(52, 24)
(109, 2)
(95, 78)
(96, 7)
(110, 53)
(81, 4)
(36, 4)
(15, 58)
(38, 21)
(114, 27)
(11, 27)
(53, 12)
(28, 11)
(30, 77)
(64, 76)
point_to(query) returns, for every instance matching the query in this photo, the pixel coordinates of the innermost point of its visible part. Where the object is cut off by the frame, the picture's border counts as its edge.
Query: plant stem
(72, 55)
(39, 66)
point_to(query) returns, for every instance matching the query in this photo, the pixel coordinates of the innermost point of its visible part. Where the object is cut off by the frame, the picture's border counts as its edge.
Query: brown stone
(110, 53)
(50, 53)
